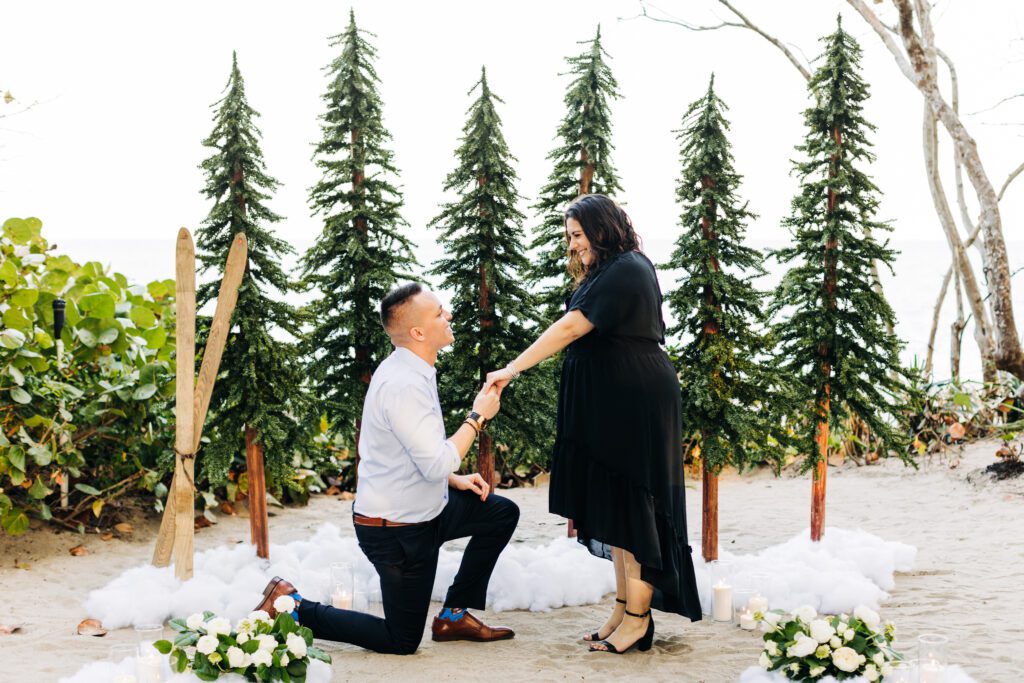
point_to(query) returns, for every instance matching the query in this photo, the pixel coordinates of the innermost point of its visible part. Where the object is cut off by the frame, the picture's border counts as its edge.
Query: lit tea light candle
(341, 599)
(147, 666)
(932, 672)
(758, 603)
(721, 601)
(124, 678)
(747, 622)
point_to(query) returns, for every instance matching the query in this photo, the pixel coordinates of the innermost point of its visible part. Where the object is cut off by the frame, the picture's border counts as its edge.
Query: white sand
(968, 581)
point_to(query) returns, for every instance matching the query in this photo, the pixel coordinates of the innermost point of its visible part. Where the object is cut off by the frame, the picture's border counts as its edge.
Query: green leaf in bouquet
(179, 661)
(250, 646)
(285, 624)
(186, 639)
(316, 653)
(307, 634)
(297, 667)
(178, 624)
(163, 646)
(207, 615)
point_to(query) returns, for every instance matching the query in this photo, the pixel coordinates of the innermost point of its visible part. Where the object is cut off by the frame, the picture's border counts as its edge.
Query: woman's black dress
(617, 469)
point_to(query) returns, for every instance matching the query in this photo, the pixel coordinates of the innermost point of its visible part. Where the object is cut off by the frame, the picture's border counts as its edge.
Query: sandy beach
(966, 584)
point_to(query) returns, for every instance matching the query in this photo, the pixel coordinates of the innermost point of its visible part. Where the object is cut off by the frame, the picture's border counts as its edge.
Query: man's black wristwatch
(478, 419)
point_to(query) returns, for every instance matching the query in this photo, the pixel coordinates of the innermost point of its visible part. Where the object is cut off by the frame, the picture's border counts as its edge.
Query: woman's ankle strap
(620, 601)
(638, 616)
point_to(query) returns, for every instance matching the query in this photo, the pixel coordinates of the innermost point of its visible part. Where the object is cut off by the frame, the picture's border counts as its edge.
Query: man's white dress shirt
(404, 456)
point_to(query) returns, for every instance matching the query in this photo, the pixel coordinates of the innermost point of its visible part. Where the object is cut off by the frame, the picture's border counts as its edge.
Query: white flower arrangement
(258, 647)
(807, 646)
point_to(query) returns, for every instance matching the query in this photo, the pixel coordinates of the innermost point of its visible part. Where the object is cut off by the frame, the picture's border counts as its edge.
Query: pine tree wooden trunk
(258, 529)
(818, 481)
(485, 460)
(709, 533)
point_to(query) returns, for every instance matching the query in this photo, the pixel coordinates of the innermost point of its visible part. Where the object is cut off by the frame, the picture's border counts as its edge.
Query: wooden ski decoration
(177, 522)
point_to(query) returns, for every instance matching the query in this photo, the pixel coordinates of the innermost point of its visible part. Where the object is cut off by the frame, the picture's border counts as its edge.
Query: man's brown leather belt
(362, 520)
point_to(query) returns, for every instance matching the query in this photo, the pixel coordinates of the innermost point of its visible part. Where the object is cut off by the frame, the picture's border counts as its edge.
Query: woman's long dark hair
(606, 226)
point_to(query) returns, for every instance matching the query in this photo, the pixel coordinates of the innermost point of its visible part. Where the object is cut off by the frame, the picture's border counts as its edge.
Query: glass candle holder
(342, 585)
(376, 604)
(149, 662)
(123, 658)
(931, 657)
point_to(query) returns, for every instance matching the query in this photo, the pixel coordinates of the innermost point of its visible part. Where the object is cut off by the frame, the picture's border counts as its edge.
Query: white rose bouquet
(257, 647)
(805, 646)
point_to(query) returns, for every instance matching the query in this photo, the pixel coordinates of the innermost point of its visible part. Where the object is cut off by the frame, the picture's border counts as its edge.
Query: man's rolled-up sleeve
(420, 430)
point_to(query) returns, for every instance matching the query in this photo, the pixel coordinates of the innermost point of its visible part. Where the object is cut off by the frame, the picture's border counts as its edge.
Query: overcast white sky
(124, 89)
(109, 156)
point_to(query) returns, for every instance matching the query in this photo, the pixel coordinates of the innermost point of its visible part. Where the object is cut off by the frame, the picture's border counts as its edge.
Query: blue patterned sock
(452, 613)
(295, 612)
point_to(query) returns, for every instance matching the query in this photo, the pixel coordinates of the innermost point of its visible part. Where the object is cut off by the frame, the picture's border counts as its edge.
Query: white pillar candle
(758, 603)
(721, 602)
(747, 622)
(147, 667)
(932, 672)
(341, 599)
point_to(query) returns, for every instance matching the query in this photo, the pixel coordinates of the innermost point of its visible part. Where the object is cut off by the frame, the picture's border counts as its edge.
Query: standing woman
(617, 469)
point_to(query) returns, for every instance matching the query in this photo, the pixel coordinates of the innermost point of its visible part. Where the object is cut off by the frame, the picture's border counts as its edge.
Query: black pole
(58, 317)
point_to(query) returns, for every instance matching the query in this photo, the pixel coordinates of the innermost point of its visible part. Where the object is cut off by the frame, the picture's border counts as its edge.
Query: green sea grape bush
(101, 416)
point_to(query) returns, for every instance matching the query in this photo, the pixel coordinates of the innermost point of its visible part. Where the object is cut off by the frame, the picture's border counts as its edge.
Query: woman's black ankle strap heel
(643, 644)
(596, 635)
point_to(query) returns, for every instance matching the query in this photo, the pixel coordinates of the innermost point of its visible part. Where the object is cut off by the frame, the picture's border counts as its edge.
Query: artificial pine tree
(361, 252)
(260, 389)
(722, 363)
(582, 165)
(833, 342)
(484, 269)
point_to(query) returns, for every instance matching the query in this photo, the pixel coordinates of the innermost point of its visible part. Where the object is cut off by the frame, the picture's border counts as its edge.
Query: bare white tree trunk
(914, 62)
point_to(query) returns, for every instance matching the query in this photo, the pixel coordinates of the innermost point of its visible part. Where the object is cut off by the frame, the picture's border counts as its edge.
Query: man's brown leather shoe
(467, 628)
(275, 589)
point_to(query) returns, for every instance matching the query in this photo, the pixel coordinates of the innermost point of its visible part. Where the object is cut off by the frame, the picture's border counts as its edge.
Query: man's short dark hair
(395, 298)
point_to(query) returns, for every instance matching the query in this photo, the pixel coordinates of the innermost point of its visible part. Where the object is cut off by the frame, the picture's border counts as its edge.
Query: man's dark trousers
(406, 561)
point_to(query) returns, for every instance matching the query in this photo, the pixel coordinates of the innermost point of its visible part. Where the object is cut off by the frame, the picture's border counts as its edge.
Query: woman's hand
(499, 379)
(470, 482)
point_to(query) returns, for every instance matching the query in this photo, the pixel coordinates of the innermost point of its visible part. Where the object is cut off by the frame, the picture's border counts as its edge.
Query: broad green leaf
(142, 317)
(44, 340)
(16, 456)
(44, 512)
(41, 454)
(15, 318)
(144, 392)
(87, 337)
(25, 297)
(155, 338)
(163, 646)
(16, 375)
(15, 522)
(17, 477)
(962, 399)
(8, 273)
(19, 230)
(109, 335)
(21, 396)
(54, 281)
(11, 339)
(85, 488)
(98, 305)
(38, 490)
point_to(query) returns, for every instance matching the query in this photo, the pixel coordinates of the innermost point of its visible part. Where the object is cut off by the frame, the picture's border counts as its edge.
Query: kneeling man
(408, 499)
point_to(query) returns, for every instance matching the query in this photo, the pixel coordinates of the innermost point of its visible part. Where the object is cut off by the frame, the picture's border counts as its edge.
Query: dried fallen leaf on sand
(107, 536)
(227, 508)
(6, 630)
(957, 430)
(202, 523)
(79, 550)
(91, 627)
(348, 495)
(124, 528)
